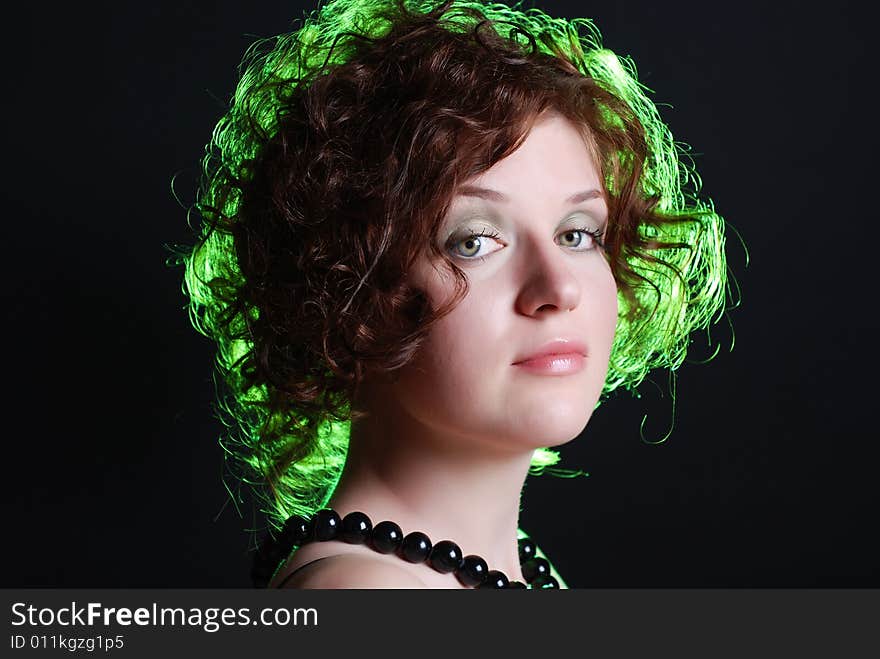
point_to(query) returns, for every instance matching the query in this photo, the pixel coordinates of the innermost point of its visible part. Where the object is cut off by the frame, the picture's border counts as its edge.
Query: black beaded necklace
(387, 538)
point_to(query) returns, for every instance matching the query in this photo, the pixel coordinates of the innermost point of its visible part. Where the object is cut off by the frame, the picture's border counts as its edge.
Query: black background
(112, 473)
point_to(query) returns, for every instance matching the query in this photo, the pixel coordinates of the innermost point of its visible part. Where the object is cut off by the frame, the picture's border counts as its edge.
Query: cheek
(465, 343)
(455, 371)
(610, 306)
(604, 306)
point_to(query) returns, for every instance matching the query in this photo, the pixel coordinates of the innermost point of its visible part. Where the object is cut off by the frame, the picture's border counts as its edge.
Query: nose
(548, 283)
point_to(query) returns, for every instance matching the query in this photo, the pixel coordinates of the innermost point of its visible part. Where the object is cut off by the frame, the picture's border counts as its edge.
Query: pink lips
(559, 357)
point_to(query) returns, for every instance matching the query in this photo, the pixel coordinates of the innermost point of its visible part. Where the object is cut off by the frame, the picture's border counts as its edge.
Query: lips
(561, 347)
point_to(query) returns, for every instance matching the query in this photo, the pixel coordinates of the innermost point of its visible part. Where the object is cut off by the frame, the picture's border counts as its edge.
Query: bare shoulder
(353, 571)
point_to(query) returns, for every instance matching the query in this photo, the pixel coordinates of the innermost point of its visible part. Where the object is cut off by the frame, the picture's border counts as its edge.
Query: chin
(554, 423)
(552, 437)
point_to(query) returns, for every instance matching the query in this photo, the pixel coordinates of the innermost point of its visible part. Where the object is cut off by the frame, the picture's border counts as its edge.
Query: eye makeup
(468, 225)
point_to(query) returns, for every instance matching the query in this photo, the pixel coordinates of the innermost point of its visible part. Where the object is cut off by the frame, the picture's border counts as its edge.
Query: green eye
(574, 237)
(470, 245)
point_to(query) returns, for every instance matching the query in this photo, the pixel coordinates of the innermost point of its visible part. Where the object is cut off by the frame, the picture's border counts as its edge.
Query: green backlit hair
(342, 148)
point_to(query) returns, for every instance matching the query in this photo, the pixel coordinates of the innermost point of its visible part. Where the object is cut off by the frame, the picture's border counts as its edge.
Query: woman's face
(539, 277)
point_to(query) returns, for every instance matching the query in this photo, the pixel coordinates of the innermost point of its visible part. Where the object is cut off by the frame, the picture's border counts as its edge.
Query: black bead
(472, 571)
(534, 568)
(356, 528)
(416, 547)
(326, 523)
(516, 584)
(386, 537)
(445, 556)
(545, 581)
(495, 579)
(296, 531)
(527, 550)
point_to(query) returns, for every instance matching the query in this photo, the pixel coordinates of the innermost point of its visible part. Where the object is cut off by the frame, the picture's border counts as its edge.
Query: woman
(434, 237)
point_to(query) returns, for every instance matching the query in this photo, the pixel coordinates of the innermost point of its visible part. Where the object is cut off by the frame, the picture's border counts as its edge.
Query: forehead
(553, 156)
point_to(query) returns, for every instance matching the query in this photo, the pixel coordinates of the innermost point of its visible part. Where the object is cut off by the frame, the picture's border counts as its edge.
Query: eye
(474, 245)
(582, 239)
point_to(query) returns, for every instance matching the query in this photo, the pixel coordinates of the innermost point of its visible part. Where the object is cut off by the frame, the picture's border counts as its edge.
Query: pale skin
(447, 443)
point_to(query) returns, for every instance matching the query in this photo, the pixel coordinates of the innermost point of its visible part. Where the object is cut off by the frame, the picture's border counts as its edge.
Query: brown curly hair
(332, 170)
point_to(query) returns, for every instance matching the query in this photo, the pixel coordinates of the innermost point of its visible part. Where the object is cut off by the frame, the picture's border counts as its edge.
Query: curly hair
(334, 165)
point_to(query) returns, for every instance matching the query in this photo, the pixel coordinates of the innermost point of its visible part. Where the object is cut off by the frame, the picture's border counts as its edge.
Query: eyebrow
(494, 195)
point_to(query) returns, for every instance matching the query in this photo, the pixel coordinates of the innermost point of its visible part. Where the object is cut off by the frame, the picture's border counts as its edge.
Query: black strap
(304, 565)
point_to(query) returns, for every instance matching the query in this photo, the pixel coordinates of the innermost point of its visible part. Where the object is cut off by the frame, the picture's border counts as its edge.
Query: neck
(450, 487)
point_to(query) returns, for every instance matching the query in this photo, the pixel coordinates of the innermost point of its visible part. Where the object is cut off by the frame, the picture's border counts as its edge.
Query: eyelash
(485, 233)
